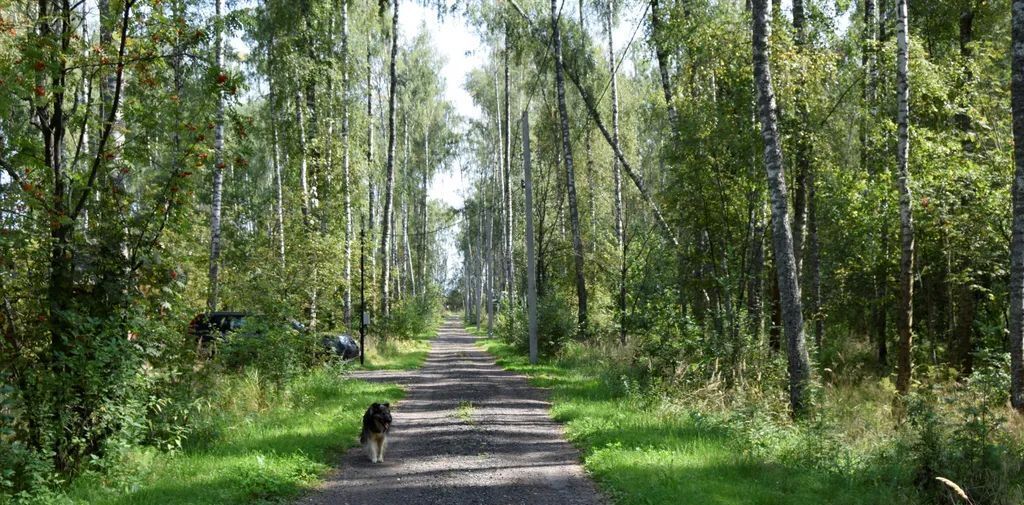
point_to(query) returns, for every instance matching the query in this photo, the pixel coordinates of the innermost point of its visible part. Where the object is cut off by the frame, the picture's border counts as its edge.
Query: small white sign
(366, 318)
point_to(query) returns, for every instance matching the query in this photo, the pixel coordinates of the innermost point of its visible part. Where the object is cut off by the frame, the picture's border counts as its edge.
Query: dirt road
(467, 433)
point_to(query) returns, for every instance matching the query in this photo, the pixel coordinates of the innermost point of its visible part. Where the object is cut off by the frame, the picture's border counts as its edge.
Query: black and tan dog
(376, 423)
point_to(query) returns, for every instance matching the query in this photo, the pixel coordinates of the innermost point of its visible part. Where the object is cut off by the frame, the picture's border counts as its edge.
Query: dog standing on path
(376, 423)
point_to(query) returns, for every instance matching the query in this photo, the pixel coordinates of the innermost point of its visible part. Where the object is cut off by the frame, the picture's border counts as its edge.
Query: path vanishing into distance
(467, 432)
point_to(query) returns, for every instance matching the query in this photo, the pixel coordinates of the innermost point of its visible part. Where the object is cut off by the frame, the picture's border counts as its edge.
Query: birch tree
(219, 165)
(389, 184)
(785, 262)
(574, 216)
(905, 309)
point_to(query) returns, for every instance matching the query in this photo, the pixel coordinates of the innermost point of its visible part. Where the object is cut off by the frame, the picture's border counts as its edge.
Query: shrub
(555, 325)
(958, 433)
(412, 316)
(279, 351)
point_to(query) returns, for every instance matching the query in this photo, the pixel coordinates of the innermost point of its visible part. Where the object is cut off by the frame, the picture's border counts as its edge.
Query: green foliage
(257, 442)
(556, 325)
(644, 446)
(412, 317)
(104, 246)
(958, 432)
(279, 350)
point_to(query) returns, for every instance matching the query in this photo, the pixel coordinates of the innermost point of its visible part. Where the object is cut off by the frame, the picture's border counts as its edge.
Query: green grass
(482, 332)
(257, 444)
(642, 452)
(397, 353)
(465, 411)
(248, 453)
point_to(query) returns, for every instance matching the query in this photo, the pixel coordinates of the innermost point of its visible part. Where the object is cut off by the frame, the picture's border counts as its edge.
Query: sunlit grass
(649, 452)
(465, 412)
(396, 353)
(246, 454)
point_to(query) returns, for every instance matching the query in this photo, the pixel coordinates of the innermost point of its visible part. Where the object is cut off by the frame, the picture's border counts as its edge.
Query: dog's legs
(371, 450)
(383, 445)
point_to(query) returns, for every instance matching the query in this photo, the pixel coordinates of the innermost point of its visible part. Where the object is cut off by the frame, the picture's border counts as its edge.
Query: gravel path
(467, 433)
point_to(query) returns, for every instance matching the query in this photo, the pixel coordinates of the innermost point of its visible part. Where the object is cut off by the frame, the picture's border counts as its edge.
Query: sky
(453, 40)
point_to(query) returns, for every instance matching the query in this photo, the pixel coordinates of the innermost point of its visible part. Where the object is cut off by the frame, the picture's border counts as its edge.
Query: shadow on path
(467, 433)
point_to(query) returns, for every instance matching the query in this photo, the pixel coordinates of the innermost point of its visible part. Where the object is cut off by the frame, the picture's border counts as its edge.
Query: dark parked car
(215, 325)
(343, 346)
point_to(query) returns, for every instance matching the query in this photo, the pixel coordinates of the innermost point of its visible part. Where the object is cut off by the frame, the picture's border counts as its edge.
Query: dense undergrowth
(700, 435)
(259, 421)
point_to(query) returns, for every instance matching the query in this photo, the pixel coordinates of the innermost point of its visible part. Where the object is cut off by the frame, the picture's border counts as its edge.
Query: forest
(787, 235)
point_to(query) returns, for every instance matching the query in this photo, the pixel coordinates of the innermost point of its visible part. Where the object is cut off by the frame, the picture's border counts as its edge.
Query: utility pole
(531, 259)
(364, 317)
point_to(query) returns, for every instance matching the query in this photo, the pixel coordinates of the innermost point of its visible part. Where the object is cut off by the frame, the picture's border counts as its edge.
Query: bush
(555, 325)
(412, 316)
(958, 433)
(279, 351)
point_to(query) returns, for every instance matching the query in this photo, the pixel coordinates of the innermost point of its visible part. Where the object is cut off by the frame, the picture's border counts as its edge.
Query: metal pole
(364, 318)
(531, 259)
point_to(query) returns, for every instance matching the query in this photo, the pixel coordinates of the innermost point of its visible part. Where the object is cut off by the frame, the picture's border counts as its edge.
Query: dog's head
(381, 413)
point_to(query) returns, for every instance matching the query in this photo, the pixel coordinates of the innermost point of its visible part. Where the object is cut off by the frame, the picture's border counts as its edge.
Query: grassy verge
(397, 354)
(645, 451)
(259, 446)
(256, 443)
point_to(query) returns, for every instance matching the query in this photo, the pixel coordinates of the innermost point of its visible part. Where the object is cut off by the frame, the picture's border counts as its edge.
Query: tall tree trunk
(408, 281)
(481, 265)
(278, 183)
(346, 180)
(507, 210)
(371, 190)
(422, 243)
(490, 271)
(467, 299)
(218, 169)
(499, 175)
(410, 274)
(1016, 295)
(574, 216)
(755, 275)
(813, 267)
(620, 232)
(785, 263)
(300, 118)
(276, 159)
(803, 145)
(661, 54)
(870, 80)
(60, 288)
(905, 310)
(385, 244)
